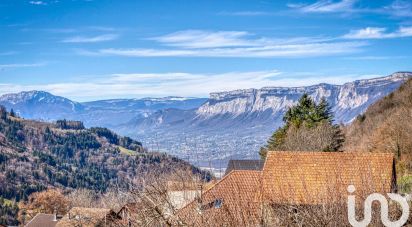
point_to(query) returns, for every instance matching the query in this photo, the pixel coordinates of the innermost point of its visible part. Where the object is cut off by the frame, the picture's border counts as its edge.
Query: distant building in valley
(244, 165)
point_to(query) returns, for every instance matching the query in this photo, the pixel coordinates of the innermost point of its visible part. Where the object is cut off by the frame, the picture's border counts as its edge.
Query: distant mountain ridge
(42, 105)
(227, 125)
(235, 124)
(341, 97)
(38, 104)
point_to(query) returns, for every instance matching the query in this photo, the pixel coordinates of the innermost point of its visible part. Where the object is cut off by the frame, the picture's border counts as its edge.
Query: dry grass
(386, 127)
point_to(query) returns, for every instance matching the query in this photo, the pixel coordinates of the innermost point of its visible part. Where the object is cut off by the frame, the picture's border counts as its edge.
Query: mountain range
(41, 105)
(206, 132)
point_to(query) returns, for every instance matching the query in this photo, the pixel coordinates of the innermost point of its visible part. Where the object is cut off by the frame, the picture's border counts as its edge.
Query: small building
(179, 193)
(43, 220)
(163, 205)
(130, 214)
(244, 165)
(85, 217)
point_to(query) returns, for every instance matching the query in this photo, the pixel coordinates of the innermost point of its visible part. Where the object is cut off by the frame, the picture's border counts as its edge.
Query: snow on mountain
(45, 106)
(40, 105)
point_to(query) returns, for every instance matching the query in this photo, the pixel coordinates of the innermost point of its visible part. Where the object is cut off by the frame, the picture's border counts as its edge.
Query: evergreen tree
(310, 121)
(3, 113)
(12, 114)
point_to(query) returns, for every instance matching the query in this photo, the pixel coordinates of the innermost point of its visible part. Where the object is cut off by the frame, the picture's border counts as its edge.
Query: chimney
(55, 215)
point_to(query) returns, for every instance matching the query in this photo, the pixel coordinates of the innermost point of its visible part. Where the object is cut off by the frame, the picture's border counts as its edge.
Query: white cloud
(8, 66)
(91, 39)
(374, 57)
(325, 6)
(177, 84)
(366, 33)
(290, 50)
(207, 39)
(397, 8)
(378, 33)
(193, 39)
(232, 44)
(38, 3)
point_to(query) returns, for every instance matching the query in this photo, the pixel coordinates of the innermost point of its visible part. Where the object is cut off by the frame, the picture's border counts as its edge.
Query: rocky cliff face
(348, 100)
(235, 124)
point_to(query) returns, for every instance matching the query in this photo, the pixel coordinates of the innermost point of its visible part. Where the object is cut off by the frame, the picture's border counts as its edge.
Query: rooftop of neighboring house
(42, 220)
(301, 178)
(87, 217)
(234, 196)
(316, 177)
(244, 165)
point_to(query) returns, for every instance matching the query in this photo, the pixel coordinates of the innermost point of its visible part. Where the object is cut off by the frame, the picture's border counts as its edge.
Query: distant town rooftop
(244, 165)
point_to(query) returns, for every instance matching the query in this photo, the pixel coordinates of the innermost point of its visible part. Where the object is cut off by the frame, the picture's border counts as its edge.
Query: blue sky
(99, 49)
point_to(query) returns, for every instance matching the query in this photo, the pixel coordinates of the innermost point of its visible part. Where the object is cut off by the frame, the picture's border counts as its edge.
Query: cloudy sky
(99, 49)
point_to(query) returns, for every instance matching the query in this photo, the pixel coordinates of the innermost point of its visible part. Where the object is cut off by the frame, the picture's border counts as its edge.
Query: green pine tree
(306, 115)
(12, 114)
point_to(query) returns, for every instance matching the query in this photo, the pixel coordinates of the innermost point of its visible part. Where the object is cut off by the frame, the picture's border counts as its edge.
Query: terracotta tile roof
(233, 200)
(244, 165)
(42, 220)
(87, 217)
(130, 213)
(312, 177)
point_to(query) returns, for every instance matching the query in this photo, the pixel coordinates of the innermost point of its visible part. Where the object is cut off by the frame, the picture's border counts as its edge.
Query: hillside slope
(386, 126)
(36, 155)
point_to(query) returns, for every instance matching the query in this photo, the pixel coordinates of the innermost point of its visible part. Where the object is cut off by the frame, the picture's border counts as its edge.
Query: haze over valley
(205, 131)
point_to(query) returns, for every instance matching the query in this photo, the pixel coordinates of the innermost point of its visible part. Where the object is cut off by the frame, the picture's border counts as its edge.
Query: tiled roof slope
(316, 177)
(42, 220)
(244, 165)
(81, 216)
(239, 193)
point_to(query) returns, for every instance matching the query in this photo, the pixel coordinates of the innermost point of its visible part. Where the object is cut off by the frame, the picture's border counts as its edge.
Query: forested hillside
(36, 155)
(386, 126)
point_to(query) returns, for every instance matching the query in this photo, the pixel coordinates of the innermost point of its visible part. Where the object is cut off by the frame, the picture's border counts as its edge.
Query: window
(218, 203)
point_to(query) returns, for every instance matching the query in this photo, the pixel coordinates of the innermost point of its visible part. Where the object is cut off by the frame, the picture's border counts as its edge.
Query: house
(162, 203)
(323, 177)
(245, 197)
(234, 200)
(130, 214)
(85, 217)
(43, 220)
(180, 193)
(244, 165)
